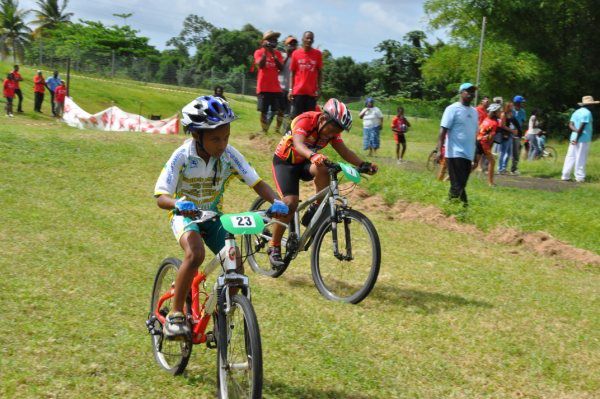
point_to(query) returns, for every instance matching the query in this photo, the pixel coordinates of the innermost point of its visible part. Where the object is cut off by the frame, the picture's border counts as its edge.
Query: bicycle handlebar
(335, 168)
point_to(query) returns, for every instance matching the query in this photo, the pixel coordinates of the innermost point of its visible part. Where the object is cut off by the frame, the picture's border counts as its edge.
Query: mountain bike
(432, 163)
(346, 252)
(235, 332)
(549, 154)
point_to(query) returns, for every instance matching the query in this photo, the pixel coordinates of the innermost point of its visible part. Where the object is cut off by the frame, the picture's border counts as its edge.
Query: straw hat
(588, 100)
(271, 35)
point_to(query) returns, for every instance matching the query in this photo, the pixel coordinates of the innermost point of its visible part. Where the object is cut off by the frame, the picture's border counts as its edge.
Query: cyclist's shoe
(275, 257)
(309, 213)
(176, 327)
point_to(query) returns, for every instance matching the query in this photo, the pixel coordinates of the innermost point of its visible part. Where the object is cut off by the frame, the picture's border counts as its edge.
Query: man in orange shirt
(306, 79)
(18, 78)
(39, 86)
(269, 62)
(482, 108)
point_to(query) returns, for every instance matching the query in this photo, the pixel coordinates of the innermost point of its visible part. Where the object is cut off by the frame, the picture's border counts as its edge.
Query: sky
(346, 28)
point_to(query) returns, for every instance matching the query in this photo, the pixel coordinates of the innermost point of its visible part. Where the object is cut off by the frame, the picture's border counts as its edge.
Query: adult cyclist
(297, 158)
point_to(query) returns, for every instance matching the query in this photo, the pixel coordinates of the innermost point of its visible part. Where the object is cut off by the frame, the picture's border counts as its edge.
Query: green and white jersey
(186, 174)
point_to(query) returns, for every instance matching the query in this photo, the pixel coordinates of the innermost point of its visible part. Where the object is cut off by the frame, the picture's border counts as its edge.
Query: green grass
(452, 315)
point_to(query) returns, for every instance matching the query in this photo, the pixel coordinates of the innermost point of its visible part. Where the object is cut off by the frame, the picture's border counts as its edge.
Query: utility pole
(68, 76)
(112, 72)
(480, 58)
(243, 83)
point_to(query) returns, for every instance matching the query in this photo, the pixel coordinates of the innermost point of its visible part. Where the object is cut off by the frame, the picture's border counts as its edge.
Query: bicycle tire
(254, 247)
(325, 281)
(173, 362)
(552, 154)
(431, 161)
(227, 329)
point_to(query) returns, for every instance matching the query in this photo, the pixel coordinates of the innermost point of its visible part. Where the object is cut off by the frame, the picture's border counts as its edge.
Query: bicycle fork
(336, 218)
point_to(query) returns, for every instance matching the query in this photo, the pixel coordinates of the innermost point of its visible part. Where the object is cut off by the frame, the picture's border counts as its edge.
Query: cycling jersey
(187, 174)
(305, 125)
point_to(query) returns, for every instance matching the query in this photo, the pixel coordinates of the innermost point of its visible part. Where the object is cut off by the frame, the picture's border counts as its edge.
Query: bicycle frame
(202, 310)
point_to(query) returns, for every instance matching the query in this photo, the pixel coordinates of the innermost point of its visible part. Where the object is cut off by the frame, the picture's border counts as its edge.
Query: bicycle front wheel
(172, 356)
(432, 164)
(239, 352)
(550, 154)
(350, 275)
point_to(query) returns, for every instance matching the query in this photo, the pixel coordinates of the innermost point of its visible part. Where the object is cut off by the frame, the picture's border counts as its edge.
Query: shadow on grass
(277, 389)
(423, 301)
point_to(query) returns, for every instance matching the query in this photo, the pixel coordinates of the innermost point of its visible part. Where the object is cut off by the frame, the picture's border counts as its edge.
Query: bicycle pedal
(151, 326)
(211, 340)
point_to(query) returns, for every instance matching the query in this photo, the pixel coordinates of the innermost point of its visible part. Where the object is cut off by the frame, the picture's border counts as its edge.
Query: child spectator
(59, 97)
(400, 126)
(9, 93)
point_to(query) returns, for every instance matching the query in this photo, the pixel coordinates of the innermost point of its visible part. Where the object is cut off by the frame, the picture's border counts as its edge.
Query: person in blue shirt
(458, 131)
(581, 136)
(520, 116)
(52, 83)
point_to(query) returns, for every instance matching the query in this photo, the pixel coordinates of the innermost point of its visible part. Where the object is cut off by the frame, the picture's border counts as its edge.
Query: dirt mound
(262, 142)
(541, 242)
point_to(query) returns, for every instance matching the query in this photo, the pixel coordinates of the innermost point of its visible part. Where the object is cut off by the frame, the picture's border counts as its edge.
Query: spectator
(39, 87)
(482, 108)
(18, 78)
(458, 130)
(291, 43)
(520, 116)
(305, 82)
(8, 91)
(219, 92)
(372, 122)
(52, 83)
(400, 126)
(60, 93)
(269, 62)
(485, 138)
(509, 127)
(581, 135)
(498, 100)
(532, 133)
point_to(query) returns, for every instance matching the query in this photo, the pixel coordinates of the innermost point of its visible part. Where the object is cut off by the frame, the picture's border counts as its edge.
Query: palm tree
(50, 14)
(14, 33)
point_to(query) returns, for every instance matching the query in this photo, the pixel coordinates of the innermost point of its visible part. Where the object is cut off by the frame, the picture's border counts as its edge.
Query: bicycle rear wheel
(255, 246)
(432, 163)
(172, 356)
(239, 352)
(352, 278)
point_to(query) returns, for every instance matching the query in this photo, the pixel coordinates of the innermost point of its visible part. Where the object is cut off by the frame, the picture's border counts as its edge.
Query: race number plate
(350, 172)
(243, 223)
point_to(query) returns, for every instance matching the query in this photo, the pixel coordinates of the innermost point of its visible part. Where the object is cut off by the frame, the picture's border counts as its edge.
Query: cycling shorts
(287, 176)
(212, 232)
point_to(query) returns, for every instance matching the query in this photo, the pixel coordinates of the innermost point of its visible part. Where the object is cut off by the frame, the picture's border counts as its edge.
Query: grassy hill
(452, 315)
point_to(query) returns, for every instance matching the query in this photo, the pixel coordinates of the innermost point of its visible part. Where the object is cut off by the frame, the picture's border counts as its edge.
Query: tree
(562, 34)
(195, 31)
(50, 15)
(342, 77)
(14, 33)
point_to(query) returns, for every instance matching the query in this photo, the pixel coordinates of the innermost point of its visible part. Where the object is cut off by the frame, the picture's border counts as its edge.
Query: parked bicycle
(346, 252)
(235, 332)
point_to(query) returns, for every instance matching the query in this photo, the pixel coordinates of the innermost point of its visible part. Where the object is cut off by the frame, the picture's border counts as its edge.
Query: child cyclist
(485, 139)
(194, 178)
(400, 126)
(296, 158)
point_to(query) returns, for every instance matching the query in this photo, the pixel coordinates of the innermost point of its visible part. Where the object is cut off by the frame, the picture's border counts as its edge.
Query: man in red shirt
(482, 108)
(18, 78)
(269, 62)
(59, 97)
(9, 93)
(305, 82)
(39, 86)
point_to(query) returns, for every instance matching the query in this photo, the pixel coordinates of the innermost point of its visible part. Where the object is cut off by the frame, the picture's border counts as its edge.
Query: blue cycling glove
(279, 207)
(185, 206)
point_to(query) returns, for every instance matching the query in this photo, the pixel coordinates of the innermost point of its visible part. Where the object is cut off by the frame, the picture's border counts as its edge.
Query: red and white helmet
(338, 112)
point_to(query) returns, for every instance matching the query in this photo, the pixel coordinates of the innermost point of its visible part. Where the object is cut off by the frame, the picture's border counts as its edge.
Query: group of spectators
(287, 86)
(55, 86)
(467, 134)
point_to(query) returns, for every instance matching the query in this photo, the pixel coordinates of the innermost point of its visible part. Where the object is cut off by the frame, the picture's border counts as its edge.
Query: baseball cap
(466, 86)
(290, 39)
(518, 99)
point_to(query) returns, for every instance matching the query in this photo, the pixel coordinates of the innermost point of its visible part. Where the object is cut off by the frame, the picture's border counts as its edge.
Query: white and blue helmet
(206, 112)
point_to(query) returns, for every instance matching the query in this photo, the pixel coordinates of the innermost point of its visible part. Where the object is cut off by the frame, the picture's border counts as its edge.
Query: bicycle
(346, 275)
(432, 163)
(235, 333)
(549, 154)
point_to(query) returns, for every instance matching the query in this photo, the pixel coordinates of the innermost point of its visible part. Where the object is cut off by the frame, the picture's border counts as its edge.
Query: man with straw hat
(269, 62)
(581, 136)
